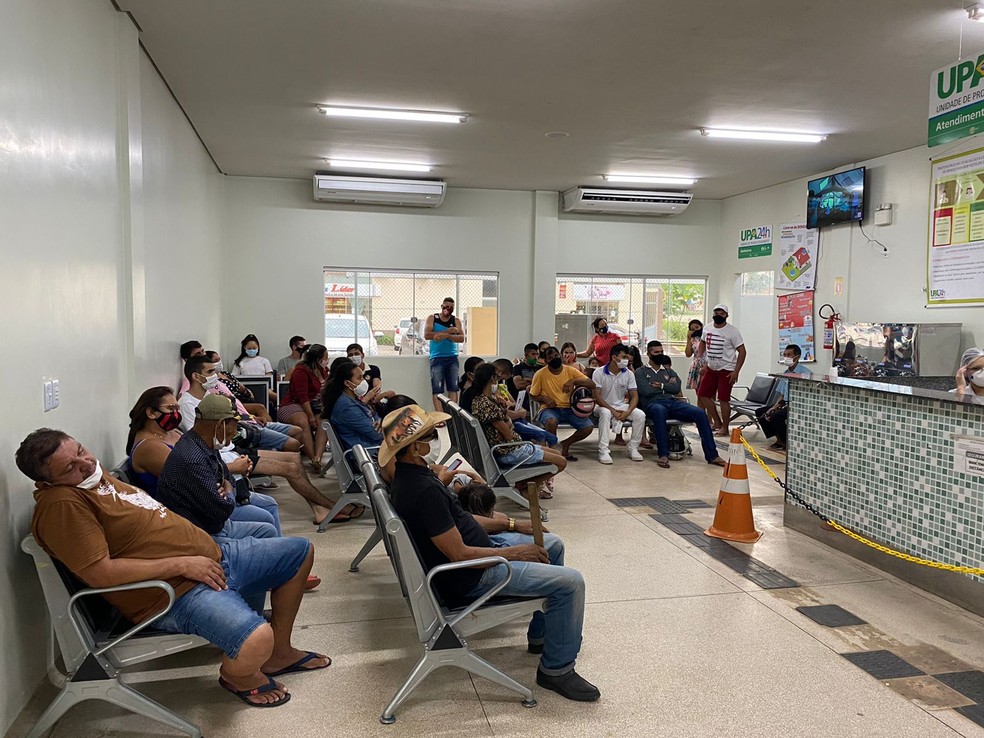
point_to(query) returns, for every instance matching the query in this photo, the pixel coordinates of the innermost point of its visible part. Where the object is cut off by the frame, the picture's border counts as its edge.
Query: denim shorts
(252, 566)
(272, 439)
(564, 415)
(444, 374)
(524, 455)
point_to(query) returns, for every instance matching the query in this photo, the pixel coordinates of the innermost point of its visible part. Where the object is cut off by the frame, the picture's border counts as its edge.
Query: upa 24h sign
(956, 101)
(755, 241)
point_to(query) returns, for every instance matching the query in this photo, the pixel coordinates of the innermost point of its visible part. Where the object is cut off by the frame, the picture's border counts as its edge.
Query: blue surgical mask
(252, 352)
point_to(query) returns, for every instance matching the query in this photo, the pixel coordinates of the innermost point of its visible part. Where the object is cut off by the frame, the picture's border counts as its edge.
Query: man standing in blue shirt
(444, 332)
(772, 420)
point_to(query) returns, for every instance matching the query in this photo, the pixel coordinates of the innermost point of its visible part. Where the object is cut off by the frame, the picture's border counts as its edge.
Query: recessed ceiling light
(650, 179)
(976, 12)
(426, 116)
(385, 166)
(763, 135)
(557, 134)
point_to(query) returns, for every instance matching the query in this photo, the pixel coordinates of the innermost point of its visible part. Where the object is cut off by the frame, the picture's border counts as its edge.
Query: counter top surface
(889, 388)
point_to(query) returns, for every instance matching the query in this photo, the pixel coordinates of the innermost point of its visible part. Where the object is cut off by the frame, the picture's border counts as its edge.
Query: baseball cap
(404, 426)
(216, 407)
(722, 306)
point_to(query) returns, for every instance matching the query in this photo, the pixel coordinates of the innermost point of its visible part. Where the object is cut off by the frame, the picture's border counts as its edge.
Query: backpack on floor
(677, 442)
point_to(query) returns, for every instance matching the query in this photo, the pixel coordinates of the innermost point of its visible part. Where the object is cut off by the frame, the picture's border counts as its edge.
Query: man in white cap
(443, 532)
(724, 349)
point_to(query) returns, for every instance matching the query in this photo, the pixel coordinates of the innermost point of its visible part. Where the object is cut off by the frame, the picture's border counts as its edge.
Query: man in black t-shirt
(444, 532)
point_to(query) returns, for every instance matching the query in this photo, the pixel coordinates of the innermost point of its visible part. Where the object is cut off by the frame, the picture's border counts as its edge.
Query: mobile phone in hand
(454, 465)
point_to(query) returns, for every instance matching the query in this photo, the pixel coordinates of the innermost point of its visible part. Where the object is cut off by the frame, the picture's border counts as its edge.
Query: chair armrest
(168, 590)
(470, 564)
(367, 448)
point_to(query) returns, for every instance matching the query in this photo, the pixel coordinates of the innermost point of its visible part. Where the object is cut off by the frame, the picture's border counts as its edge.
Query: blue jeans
(224, 617)
(528, 453)
(660, 412)
(272, 439)
(259, 509)
(564, 415)
(559, 630)
(530, 432)
(444, 374)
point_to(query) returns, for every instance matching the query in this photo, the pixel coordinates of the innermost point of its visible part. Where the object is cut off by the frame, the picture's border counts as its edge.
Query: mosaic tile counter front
(882, 464)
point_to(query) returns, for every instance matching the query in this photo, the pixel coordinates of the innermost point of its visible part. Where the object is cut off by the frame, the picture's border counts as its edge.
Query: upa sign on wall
(755, 241)
(956, 101)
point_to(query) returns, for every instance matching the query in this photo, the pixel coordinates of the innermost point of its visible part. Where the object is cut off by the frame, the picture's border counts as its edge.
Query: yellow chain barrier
(861, 539)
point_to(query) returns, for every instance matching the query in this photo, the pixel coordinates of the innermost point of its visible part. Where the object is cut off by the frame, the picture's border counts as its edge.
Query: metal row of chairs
(442, 632)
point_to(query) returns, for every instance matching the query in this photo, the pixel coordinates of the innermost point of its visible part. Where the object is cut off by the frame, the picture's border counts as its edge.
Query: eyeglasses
(429, 438)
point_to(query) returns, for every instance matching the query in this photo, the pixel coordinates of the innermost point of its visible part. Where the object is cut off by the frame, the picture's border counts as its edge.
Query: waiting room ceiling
(631, 81)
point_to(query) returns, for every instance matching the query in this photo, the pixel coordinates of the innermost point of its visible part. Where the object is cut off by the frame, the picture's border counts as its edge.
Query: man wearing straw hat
(443, 532)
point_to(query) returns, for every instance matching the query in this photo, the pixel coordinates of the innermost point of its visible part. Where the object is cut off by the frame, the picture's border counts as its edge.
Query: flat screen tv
(836, 198)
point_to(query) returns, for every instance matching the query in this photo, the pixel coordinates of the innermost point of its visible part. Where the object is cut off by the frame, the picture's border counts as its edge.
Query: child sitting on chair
(477, 499)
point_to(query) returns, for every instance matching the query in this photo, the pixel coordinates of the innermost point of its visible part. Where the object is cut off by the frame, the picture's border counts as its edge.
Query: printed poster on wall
(754, 242)
(796, 323)
(956, 101)
(797, 257)
(955, 262)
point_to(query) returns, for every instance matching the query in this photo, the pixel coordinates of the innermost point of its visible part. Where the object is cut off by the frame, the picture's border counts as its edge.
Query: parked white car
(341, 329)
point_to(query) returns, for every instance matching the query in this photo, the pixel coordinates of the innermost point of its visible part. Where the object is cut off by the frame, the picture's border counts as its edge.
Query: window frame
(363, 276)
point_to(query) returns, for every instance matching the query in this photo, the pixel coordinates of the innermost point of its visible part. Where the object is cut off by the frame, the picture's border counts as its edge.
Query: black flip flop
(298, 666)
(570, 457)
(245, 694)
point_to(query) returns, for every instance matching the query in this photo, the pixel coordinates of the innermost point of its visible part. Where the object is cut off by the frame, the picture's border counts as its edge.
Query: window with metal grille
(385, 310)
(639, 309)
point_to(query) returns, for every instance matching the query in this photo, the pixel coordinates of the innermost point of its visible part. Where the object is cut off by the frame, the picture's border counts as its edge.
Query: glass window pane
(757, 283)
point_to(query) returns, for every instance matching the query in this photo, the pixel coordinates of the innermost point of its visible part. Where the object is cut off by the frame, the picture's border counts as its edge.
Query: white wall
(277, 236)
(875, 288)
(86, 191)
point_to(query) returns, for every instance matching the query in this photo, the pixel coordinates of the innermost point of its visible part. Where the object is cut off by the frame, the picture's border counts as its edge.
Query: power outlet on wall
(51, 394)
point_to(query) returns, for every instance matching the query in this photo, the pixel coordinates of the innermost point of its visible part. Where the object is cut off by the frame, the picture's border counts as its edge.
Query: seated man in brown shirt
(109, 533)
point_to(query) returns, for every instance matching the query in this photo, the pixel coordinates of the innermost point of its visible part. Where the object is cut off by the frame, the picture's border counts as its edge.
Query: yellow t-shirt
(550, 385)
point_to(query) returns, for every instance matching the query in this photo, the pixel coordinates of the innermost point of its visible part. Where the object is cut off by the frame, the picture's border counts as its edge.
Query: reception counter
(880, 459)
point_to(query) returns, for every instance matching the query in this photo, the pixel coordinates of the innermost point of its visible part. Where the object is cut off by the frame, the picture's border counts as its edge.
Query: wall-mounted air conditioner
(419, 193)
(625, 202)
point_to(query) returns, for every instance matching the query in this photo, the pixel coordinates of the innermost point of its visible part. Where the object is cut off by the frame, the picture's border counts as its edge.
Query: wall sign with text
(756, 241)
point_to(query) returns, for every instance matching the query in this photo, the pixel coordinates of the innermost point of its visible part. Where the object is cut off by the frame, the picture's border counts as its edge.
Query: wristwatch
(512, 525)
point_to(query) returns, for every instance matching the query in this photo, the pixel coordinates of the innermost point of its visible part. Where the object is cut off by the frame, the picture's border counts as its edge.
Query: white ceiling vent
(625, 202)
(418, 193)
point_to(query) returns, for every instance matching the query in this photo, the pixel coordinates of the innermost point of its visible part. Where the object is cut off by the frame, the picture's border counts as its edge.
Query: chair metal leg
(480, 667)
(373, 541)
(116, 693)
(130, 699)
(63, 702)
(425, 666)
(511, 494)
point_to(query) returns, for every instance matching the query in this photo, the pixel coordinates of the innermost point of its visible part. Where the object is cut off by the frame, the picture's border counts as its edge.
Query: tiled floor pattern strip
(833, 616)
(932, 686)
(752, 569)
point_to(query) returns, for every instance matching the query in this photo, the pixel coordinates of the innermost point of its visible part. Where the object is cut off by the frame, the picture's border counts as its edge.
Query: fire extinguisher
(830, 319)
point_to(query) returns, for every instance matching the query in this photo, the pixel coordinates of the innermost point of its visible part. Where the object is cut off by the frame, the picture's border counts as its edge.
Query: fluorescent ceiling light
(763, 135)
(425, 116)
(385, 166)
(650, 179)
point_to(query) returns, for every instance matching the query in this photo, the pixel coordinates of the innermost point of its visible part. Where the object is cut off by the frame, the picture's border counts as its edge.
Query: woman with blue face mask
(249, 363)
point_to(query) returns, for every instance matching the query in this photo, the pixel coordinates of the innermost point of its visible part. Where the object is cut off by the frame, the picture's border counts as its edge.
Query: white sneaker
(605, 458)
(635, 455)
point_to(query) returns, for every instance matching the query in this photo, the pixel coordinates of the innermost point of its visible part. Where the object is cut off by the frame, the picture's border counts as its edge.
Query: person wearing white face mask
(616, 397)
(772, 419)
(371, 374)
(970, 375)
(237, 390)
(353, 421)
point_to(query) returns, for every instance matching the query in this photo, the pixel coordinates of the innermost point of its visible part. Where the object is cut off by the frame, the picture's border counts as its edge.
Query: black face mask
(720, 320)
(653, 356)
(555, 363)
(603, 330)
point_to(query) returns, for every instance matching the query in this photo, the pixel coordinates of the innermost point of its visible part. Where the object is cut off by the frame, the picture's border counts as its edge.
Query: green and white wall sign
(956, 101)
(754, 242)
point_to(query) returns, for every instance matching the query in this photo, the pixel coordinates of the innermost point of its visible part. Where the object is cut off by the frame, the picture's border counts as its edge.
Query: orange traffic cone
(733, 516)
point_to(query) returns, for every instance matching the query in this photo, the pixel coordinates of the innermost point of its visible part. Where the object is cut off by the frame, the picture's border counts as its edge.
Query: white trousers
(636, 417)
